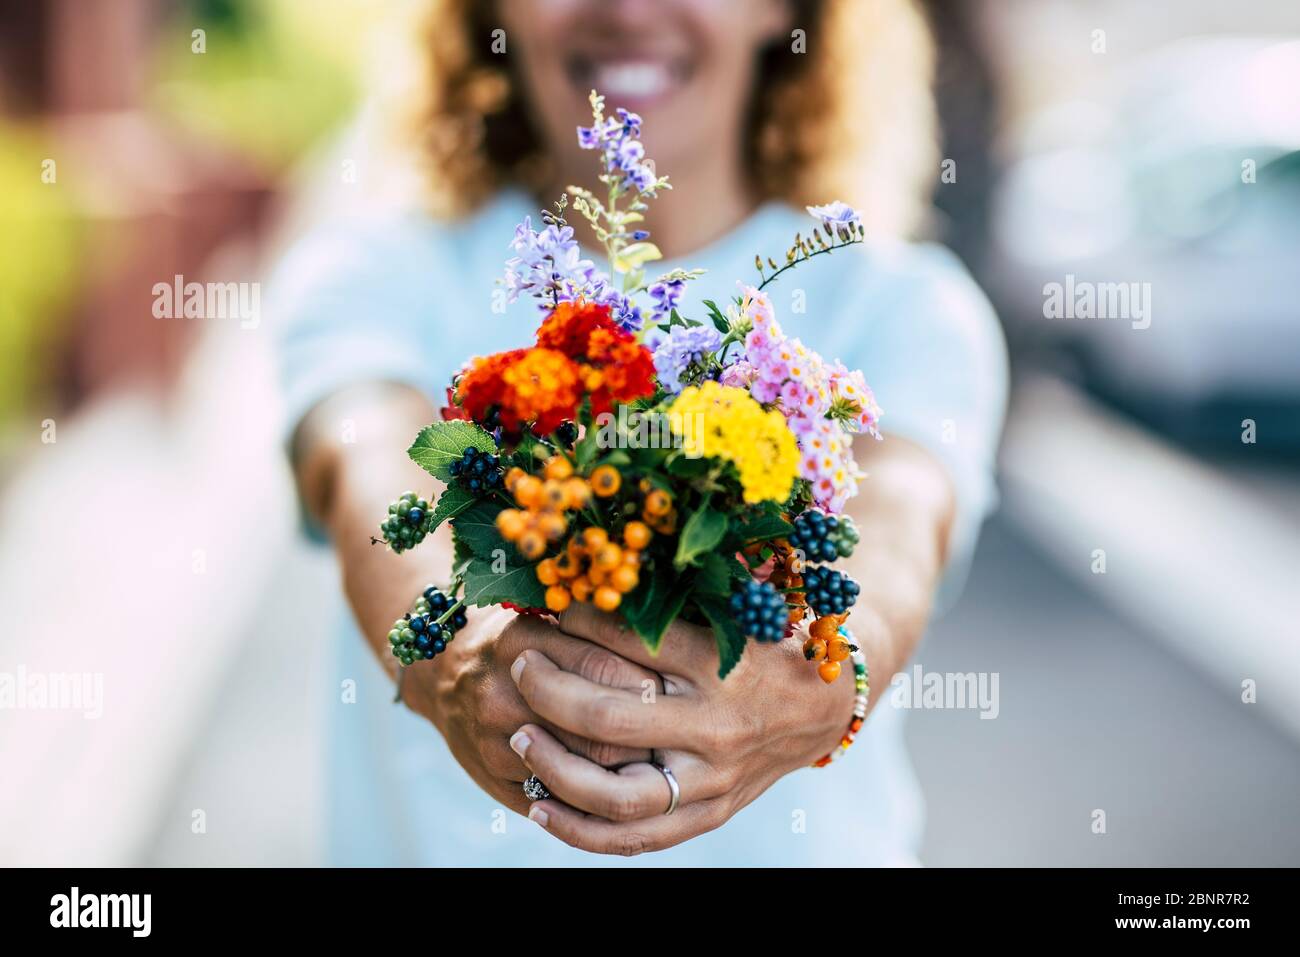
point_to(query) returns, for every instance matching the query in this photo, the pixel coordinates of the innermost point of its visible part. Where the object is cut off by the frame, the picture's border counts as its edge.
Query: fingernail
(517, 668)
(519, 743)
(535, 813)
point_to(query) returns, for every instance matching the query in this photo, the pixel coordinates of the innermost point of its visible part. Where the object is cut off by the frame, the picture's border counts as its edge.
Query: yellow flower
(724, 422)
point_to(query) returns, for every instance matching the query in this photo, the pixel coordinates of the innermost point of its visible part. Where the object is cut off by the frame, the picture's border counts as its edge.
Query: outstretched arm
(465, 692)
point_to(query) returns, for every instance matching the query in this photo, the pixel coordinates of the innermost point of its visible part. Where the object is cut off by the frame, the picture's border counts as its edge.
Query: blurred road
(1094, 715)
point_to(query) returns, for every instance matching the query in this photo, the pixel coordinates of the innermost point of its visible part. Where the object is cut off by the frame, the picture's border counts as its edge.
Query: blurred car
(1181, 176)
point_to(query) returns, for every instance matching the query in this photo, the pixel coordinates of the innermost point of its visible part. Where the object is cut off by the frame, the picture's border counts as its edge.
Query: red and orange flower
(580, 353)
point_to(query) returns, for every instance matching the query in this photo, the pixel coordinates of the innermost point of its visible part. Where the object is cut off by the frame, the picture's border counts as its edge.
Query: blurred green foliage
(39, 247)
(275, 75)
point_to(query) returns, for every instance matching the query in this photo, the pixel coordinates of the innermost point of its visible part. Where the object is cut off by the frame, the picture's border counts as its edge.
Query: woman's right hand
(468, 694)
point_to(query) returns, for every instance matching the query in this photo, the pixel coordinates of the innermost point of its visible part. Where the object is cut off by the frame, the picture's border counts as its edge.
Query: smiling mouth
(628, 81)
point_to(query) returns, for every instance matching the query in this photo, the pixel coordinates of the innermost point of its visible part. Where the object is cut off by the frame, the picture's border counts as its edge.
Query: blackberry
(434, 603)
(828, 591)
(416, 638)
(477, 472)
(814, 534)
(847, 538)
(407, 522)
(822, 537)
(760, 611)
(566, 434)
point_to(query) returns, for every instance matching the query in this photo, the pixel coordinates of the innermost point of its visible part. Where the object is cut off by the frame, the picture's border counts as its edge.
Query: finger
(632, 792)
(604, 714)
(603, 667)
(598, 752)
(687, 650)
(593, 661)
(596, 664)
(600, 836)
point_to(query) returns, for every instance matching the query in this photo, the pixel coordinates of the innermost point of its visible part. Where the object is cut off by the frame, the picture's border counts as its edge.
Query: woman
(754, 108)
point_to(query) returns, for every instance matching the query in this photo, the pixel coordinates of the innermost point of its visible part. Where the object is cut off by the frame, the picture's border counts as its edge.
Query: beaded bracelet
(862, 684)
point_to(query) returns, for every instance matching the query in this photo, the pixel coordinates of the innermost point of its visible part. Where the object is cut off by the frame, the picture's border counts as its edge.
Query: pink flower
(852, 401)
(739, 375)
(827, 461)
(757, 308)
(824, 403)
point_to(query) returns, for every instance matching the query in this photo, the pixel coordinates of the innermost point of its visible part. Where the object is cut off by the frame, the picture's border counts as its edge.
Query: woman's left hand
(726, 742)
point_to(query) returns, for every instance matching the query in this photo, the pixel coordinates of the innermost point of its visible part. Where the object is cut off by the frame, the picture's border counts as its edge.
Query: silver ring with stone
(535, 790)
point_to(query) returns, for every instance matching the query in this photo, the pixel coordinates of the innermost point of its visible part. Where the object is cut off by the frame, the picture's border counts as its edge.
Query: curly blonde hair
(853, 118)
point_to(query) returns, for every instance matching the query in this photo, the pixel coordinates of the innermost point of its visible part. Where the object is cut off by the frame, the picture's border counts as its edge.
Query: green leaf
(517, 583)
(654, 605)
(587, 448)
(683, 466)
(618, 458)
(717, 573)
(530, 448)
(440, 444)
(702, 532)
(451, 503)
(731, 643)
(636, 255)
(762, 528)
(462, 557)
(476, 527)
(719, 319)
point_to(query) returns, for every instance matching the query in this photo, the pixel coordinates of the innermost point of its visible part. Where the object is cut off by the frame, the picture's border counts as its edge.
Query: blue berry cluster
(828, 591)
(566, 434)
(438, 603)
(476, 471)
(760, 611)
(418, 635)
(822, 537)
(407, 523)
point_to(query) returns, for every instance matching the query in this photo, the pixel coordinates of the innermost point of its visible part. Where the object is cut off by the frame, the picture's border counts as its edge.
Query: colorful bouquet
(647, 463)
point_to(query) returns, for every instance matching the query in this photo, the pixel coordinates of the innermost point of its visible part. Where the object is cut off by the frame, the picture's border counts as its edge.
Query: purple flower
(624, 154)
(683, 348)
(547, 263)
(631, 121)
(603, 293)
(628, 154)
(666, 295)
(842, 218)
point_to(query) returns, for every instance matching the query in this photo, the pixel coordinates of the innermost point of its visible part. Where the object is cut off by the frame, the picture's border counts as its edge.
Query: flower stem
(801, 259)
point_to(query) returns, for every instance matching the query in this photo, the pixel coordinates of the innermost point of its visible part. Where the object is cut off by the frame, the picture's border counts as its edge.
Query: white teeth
(632, 79)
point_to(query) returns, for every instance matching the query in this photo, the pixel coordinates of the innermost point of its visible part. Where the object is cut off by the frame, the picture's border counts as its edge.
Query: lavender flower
(549, 263)
(683, 350)
(624, 154)
(666, 295)
(840, 217)
(622, 309)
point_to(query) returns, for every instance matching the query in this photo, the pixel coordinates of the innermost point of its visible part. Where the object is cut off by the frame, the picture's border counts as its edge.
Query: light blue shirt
(408, 299)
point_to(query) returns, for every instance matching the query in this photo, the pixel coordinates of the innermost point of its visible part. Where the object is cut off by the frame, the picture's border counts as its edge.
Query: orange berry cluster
(786, 573)
(545, 503)
(657, 509)
(591, 568)
(827, 646)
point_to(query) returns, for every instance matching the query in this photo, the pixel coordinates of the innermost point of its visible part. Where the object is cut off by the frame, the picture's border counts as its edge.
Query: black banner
(337, 907)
